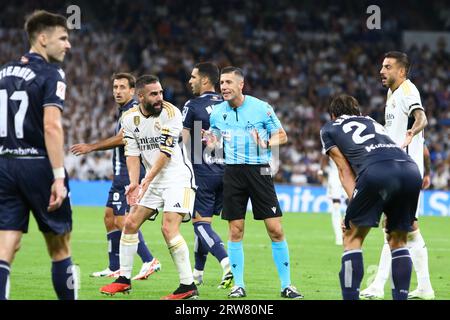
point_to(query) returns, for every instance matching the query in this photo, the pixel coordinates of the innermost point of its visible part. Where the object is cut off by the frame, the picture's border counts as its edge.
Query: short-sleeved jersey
(400, 105)
(236, 125)
(119, 159)
(26, 88)
(362, 140)
(148, 136)
(196, 113)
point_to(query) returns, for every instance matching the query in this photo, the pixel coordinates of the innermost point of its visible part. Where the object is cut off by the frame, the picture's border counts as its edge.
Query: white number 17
(20, 115)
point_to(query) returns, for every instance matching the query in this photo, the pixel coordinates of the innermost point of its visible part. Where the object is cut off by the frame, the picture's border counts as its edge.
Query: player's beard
(150, 107)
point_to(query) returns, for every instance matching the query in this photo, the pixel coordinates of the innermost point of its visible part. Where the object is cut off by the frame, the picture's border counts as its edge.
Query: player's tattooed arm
(427, 166)
(420, 122)
(346, 174)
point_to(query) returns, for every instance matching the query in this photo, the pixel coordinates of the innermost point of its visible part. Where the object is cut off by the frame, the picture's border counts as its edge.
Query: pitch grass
(315, 259)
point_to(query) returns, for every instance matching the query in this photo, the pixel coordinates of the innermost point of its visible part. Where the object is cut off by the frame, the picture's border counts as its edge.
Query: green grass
(315, 259)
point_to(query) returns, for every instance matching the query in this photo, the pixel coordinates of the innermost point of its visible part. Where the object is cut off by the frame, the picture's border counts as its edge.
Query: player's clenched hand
(408, 138)
(80, 148)
(131, 193)
(58, 193)
(209, 138)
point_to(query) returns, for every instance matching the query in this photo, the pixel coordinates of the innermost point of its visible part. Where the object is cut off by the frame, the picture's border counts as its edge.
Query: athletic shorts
(25, 186)
(209, 195)
(171, 199)
(391, 187)
(116, 197)
(244, 182)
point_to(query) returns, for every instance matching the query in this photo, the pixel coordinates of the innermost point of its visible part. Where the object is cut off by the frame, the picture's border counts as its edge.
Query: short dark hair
(344, 104)
(142, 81)
(231, 69)
(124, 75)
(41, 20)
(401, 58)
(209, 70)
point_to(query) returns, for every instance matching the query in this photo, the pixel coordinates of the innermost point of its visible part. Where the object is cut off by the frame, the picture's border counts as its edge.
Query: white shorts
(334, 188)
(172, 199)
(420, 205)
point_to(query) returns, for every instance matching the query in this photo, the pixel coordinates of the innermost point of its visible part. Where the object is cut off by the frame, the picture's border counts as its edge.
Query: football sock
(200, 254)
(180, 256)
(210, 240)
(128, 248)
(384, 267)
(113, 249)
(236, 255)
(419, 256)
(280, 254)
(336, 220)
(65, 279)
(4, 280)
(401, 273)
(142, 249)
(351, 274)
(225, 263)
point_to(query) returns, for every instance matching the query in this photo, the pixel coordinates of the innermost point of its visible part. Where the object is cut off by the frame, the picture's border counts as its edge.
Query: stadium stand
(296, 56)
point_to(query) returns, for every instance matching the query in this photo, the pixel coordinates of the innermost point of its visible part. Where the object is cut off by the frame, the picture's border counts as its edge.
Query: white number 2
(20, 115)
(360, 127)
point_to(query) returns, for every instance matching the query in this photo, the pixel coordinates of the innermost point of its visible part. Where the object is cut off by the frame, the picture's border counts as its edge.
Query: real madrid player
(405, 122)
(151, 132)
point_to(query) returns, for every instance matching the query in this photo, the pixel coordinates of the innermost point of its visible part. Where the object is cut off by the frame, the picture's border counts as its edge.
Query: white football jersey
(148, 136)
(398, 116)
(334, 185)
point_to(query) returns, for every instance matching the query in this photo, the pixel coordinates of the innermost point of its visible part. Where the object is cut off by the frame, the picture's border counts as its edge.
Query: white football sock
(336, 219)
(128, 248)
(419, 256)
(225, 263)
(180, 256)
(384, 266)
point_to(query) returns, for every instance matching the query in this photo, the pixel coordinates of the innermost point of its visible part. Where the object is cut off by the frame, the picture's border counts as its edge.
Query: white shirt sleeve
(131, 144)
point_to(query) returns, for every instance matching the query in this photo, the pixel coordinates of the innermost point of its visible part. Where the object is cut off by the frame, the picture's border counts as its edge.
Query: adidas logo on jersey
(177, 205)
(136, 130)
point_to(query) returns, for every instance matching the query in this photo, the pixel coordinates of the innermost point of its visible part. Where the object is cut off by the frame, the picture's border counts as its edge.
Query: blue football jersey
(119, 160)
(196, 113)
(26, 88)
(361, 140)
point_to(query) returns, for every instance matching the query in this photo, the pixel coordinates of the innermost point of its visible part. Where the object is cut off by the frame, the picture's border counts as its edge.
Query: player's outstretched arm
(54, 143)
(106, 144)
(420, 122)
(346, 174)
(427, 168)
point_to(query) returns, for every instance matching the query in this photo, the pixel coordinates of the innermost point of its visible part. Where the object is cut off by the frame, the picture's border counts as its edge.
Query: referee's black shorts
(244, 181)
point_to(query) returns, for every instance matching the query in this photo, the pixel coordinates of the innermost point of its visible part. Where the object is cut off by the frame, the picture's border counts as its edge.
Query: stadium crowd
(294, 60)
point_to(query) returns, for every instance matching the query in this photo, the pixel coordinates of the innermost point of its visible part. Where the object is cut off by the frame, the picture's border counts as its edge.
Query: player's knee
(236, 233)
(119, 222)
(276, 234)
(169, 229)
(130, 225)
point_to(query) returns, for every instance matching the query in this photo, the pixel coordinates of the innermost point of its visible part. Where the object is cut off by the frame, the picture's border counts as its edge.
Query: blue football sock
(280, 254)
(64, 279)
(143, 250)
(4, 280)
(200, 254)
(236, 255)
(401, 273)
(113, 249)
(210, 240)
(351, 274)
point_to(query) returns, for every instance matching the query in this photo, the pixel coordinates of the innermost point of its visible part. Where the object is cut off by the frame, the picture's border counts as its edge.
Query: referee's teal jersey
(236, 125)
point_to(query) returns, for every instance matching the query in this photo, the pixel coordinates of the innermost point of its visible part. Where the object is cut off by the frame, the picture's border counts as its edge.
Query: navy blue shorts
(25, 185)
(116, 197)
(391, 187)
(209, 195)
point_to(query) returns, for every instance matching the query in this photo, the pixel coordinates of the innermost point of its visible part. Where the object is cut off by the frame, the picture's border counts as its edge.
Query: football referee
(248, 128)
